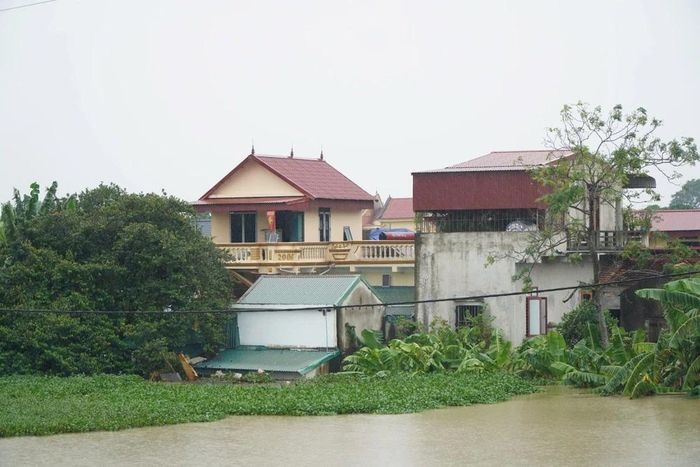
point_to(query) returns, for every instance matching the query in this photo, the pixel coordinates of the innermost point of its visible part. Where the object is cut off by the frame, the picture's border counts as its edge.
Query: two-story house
(484, 208)
(294, 215)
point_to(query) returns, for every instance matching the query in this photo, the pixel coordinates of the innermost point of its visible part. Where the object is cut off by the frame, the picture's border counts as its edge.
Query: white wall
(453, 265)
(304, 328)
(361, 317)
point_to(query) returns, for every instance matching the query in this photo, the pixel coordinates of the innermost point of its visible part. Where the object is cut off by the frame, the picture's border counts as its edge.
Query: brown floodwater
(559, 427)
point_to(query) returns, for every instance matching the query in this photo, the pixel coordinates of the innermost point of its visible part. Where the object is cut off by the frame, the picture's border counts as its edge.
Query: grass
(36, 405)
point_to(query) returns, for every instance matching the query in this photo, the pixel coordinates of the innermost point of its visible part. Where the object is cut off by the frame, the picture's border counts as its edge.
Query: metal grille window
(481, 220)
(466, 312)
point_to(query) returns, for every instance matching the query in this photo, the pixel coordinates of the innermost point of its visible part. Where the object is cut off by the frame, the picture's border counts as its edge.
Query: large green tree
(609, 151)
(112, 251)
(688, 197)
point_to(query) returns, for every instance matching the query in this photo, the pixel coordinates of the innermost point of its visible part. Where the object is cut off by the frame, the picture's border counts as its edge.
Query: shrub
(582, 322)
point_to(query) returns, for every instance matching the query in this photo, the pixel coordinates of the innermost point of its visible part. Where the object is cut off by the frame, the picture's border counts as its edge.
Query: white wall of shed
(302, 329)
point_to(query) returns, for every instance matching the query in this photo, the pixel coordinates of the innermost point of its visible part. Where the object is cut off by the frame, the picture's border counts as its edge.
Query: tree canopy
(603, 154)
(105, 250)
(688, 197)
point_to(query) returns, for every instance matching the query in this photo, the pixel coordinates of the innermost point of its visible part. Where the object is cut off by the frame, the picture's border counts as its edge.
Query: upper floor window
(243, 227)
(324, 224)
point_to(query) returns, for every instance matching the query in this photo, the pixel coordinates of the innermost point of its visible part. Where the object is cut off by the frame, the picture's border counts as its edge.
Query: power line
(26, 5)
(258, 307)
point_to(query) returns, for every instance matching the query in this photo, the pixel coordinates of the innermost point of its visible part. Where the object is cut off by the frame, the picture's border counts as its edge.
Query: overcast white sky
(168, 95)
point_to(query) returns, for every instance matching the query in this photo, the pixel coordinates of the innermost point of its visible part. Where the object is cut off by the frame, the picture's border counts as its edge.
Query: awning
(299, 361)
(250, 204)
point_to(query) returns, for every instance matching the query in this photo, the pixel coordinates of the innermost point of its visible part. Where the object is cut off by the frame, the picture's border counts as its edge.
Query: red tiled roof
(398, 208)
(670, 220)
(507, 160)
(315, 178)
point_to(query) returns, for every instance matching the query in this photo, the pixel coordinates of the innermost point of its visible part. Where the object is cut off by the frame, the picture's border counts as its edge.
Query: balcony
(263, 256)
(606, 241)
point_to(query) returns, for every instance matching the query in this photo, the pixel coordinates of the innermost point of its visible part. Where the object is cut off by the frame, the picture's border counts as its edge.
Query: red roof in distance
(674, 220)
(398, 208)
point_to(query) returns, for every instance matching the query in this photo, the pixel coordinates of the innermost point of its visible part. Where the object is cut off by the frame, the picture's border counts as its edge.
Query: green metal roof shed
(310, 290)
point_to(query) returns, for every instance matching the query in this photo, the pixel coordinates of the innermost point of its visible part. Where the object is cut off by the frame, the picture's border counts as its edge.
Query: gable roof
(315, 178)
(398, 208)
(507, 160)
(675, 220)
(303, 290)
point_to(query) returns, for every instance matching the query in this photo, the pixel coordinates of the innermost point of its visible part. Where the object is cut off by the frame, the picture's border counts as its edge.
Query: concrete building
(485, 208)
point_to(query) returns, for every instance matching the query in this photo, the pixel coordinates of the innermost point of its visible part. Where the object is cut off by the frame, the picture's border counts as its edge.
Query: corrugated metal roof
(277, 360)
(300, 290)
(398, 208)
(506, 160)
(674, 220)
(253, 200)
(315, 177)
(396, 294)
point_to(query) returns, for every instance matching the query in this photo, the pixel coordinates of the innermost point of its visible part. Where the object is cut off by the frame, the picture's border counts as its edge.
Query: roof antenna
(252, 147)
(291, 153)
(321, 158)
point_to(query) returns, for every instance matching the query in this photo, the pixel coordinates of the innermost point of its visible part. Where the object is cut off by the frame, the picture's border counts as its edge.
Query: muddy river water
(558, 427)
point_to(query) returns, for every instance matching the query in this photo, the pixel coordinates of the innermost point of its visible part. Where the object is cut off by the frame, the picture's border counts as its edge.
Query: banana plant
(676, 360)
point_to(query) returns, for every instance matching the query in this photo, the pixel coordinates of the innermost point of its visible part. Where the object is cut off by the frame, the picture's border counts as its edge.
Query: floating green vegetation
(49, 405)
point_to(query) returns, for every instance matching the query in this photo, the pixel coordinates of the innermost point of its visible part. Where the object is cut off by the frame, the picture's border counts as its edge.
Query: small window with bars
(466, 312)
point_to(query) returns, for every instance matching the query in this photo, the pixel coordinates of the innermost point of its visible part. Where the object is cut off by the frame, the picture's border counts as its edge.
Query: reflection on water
(560, 427)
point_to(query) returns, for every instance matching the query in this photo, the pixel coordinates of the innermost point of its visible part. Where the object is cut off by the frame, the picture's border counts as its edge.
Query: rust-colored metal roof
(258, 200)
(398, 208)
(457, 190)
(243, 204)
(506, 160)
(315, 178)
(674, 220)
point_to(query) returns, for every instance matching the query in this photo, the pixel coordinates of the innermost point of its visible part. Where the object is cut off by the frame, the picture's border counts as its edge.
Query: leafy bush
(441, 349)
(105, 250)
(582, 322)
(258, 377)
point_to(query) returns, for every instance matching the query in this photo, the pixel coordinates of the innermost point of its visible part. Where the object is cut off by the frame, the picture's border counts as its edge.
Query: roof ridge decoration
(313, 177)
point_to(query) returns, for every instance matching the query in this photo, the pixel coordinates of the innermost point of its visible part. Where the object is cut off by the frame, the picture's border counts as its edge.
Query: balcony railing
(314, 254)
(606, 240)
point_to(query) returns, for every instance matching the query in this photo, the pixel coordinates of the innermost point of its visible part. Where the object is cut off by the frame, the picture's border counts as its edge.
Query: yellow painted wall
(404, 277)
(221, 226)
(252, 180)
(339, 219)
